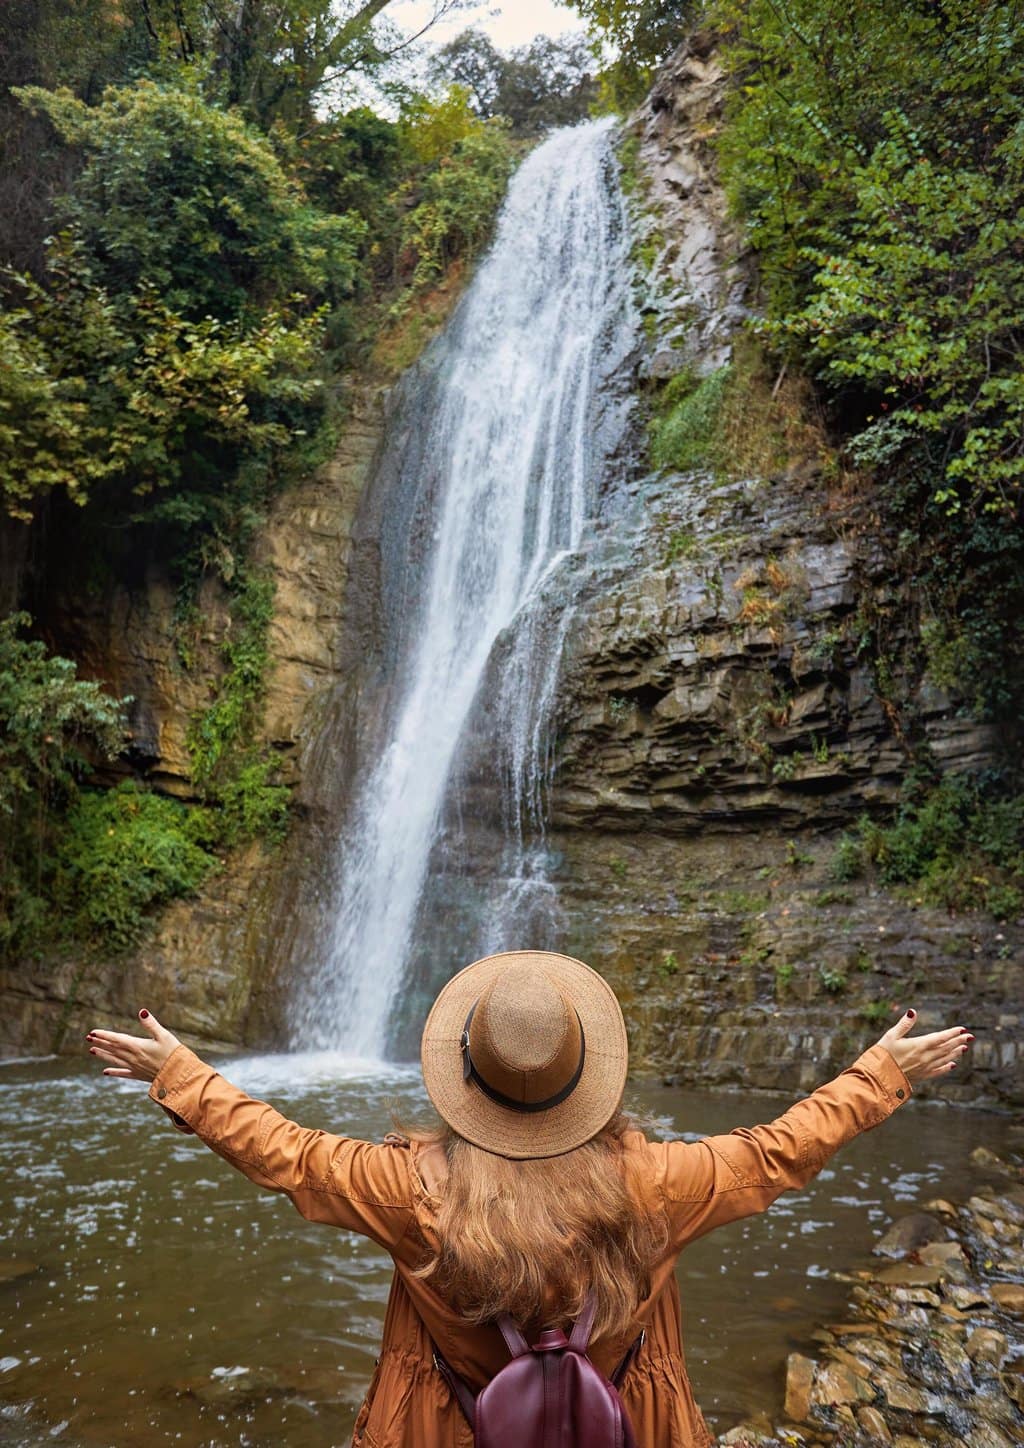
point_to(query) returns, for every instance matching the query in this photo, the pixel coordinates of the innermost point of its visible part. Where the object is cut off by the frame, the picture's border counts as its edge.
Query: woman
(536, 1192)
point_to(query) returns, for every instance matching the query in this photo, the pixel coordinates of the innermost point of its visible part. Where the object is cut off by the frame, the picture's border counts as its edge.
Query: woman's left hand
(134, 1057)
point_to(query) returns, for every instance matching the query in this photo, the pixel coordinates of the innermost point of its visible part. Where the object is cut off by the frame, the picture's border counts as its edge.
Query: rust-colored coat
(390, 1193)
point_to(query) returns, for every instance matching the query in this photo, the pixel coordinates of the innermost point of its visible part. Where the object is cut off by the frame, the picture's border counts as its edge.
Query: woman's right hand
(134, 1057)
(921, 1057)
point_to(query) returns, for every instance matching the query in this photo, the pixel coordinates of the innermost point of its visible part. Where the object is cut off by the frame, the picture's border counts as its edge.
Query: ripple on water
(155, 1271)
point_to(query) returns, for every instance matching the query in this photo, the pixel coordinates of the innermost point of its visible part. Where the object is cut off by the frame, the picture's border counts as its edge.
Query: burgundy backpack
(550, 1395)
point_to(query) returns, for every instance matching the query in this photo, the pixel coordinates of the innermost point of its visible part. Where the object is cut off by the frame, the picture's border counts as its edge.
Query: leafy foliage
(959, 843)
(458, 199)
(549, 82)
(122, 853)
(181, 197)
(877, 156)
(227, 768)
(640, 34)
(52, 724)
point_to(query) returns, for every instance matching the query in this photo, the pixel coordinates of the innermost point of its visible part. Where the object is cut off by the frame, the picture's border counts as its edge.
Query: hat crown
(525, 1036)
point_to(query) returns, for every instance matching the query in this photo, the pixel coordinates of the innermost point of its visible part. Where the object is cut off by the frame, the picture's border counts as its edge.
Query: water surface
(149, 1294)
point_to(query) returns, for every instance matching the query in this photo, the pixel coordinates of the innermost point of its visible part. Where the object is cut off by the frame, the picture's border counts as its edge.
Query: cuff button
(162, 1092)
(900, 1092)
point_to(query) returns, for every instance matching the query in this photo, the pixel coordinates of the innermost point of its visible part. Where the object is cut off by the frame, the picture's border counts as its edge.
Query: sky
(512, 23)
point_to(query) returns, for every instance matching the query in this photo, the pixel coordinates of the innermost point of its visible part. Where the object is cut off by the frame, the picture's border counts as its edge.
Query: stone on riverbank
(934, 1351)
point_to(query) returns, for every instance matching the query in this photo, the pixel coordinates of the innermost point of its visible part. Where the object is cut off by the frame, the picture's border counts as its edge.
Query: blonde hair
(531, 1238)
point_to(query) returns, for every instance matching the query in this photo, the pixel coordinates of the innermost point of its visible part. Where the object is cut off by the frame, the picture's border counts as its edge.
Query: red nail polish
(143, 1014)
(911, 1014)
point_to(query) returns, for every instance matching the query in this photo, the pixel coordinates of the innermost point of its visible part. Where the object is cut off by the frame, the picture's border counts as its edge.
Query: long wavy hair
(531, 1238)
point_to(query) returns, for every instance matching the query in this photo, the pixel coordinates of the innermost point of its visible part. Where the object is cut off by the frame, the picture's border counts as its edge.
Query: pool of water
(149, 1294)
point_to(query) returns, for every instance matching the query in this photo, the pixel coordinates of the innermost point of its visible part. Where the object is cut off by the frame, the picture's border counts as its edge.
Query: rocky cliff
(199, 967)
(734, 693)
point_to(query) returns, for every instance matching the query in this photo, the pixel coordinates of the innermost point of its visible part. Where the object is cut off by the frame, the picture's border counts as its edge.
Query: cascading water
(500, 445)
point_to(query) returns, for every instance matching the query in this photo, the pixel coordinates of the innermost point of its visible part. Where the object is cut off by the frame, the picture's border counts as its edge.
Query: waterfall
(500, 446)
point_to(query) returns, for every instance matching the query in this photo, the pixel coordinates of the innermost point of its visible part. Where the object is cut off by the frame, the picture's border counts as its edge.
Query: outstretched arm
(721, 1178)
(348, 1183)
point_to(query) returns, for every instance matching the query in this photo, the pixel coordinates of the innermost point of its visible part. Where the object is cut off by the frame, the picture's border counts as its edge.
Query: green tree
(547, 83)
(877, 156)
(184, 197)
(639, 34)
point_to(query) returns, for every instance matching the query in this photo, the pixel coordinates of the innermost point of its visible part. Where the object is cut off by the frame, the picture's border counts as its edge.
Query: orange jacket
(389, 1192)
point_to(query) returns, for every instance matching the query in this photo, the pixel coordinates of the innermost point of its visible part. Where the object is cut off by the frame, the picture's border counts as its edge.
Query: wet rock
(907, 1275)
(986, 1345)
(899, 1394)
(16, 1268)
(983, 1157)
(871, 1422)
(836, 1383)
(909, 1233)
(941, 1253)
(1009, 1296)
(799, 1378)
(941, 1206)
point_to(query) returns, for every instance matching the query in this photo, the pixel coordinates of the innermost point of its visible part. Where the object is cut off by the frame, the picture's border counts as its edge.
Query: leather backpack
(550, 1395)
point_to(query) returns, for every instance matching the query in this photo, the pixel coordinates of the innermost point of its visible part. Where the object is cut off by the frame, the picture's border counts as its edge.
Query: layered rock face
(733, 696)
(198, 968)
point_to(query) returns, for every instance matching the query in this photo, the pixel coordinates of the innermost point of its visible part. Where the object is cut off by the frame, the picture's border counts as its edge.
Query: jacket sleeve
(348, 1183)
(721, 1178)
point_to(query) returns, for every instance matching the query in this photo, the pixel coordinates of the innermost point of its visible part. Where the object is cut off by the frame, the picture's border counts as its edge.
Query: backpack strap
(462, 1392)
(579, 1339)
(514, 1339)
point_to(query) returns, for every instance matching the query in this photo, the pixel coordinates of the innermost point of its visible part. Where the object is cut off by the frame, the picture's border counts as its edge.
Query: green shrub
(876, 155)
(833, 981)
(458, 201)
(124, 852)
(958, 843)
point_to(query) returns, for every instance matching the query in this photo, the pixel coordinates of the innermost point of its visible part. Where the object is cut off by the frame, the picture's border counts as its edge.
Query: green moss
(684, 426)
(228, 769)
(668, 965)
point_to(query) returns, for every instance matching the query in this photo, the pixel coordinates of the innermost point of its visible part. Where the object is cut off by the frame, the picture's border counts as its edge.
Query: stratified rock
(909, 1234)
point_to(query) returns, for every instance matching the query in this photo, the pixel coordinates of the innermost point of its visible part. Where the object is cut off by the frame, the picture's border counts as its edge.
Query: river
(152, 1295)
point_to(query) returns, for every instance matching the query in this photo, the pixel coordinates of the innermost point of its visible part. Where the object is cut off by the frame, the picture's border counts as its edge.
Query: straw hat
(525, 1054)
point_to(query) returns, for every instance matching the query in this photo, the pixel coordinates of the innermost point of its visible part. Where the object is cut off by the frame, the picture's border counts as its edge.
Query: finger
(103, 1055)
(152, 1025)
(117, 1071)
(939, 1040)
(114, 1040)
(903, 1026)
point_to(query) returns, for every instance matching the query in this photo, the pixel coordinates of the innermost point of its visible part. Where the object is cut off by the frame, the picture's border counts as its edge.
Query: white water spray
(510, 441)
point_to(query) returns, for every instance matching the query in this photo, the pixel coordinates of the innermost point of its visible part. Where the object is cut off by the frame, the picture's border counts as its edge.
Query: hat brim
(499, 1129)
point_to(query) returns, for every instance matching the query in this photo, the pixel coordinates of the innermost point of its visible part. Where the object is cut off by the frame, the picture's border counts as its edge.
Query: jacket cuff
(881, 1066)
(171, 1083)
